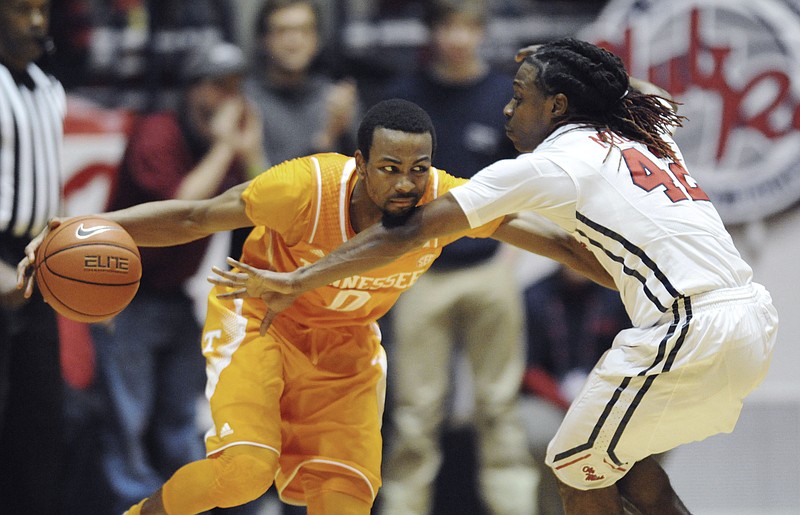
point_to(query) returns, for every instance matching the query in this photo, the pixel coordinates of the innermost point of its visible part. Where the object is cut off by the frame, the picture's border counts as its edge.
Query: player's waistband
(715, 298)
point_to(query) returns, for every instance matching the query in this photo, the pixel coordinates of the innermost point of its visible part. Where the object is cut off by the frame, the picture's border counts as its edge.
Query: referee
(32, 107)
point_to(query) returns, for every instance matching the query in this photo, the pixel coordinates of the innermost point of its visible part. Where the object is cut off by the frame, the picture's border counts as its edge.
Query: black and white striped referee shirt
(32, 109)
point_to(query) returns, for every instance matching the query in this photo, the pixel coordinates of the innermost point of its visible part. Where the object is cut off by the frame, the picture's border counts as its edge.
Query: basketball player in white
(599, 162)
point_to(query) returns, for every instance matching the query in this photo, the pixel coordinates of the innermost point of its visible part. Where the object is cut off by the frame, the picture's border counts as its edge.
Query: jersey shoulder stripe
(333, 175)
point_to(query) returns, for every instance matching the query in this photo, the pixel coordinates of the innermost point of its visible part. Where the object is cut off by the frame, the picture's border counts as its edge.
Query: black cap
(216, 60)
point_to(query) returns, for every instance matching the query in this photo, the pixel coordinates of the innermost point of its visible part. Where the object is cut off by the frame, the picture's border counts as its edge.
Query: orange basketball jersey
(301, 213)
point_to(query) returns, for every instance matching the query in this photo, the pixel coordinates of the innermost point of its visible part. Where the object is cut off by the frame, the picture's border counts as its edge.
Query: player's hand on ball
(27, 265)
(254, 282)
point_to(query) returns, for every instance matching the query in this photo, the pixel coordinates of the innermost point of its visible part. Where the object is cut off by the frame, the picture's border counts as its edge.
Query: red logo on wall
(735, 66)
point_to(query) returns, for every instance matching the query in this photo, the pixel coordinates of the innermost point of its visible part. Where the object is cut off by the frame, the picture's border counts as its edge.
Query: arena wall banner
(735, 66)
(94, 141)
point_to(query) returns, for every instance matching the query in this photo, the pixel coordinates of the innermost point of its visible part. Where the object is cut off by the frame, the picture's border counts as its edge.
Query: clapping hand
(340, 107)
(522, 53)
(226, 120)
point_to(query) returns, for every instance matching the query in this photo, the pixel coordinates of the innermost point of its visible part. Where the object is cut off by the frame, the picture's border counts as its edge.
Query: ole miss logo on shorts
(591, 474)
(735, 66)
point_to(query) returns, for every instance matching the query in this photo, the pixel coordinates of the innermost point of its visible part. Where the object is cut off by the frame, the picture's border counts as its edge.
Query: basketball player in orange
(300, 405)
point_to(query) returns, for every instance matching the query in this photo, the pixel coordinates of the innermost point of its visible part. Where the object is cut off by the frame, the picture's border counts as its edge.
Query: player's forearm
(380, 245)
(371, 248)
(161, 224)
(585, 263)
(538, 235)
(173, 222)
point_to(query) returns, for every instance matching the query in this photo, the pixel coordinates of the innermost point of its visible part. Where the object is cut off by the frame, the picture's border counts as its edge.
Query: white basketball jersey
(644, 218)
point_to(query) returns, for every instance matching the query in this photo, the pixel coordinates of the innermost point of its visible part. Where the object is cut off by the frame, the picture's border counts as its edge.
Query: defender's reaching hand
(247, 281)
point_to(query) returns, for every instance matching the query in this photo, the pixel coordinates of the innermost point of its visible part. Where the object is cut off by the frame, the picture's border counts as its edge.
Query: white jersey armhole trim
(347, 172)
(318, 207)
(435, 196)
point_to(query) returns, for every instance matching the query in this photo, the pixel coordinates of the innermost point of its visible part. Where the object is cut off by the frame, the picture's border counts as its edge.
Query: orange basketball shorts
(314, 396)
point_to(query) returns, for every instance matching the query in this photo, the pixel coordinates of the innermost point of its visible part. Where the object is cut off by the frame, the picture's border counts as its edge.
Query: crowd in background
(302, 86)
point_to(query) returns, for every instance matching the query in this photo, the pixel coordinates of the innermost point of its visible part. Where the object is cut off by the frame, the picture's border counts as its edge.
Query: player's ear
(560, 104)
(361, 164)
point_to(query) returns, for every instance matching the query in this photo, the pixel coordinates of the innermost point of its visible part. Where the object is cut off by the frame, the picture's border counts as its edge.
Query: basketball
(88, 269)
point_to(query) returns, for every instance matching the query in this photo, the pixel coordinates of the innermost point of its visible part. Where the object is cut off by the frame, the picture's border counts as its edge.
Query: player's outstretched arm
(373, 247)
(539, 235)
(157, 224)
(173, 222)
(379, 245)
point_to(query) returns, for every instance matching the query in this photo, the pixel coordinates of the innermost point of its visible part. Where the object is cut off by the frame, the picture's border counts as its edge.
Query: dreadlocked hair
(600, 95)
